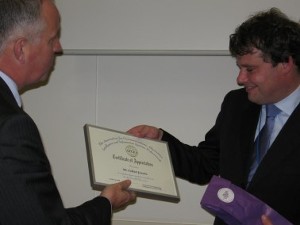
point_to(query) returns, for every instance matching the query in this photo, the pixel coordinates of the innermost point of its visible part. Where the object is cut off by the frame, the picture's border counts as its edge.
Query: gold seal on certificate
(114, 156)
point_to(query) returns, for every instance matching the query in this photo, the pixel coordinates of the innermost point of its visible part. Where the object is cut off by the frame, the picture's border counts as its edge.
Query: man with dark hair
(267, 51)
(29, 41)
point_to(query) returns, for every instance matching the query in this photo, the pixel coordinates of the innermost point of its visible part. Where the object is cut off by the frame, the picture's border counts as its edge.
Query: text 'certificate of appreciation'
(114, 156)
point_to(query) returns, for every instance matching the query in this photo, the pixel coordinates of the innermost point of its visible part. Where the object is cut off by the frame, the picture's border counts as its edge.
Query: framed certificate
(114, 156)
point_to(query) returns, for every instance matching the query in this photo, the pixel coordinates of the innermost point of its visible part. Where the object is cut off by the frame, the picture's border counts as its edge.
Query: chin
(255, 100)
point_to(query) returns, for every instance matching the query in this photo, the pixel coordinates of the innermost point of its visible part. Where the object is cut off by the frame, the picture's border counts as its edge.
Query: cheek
(45, 60)
(42, 64)
(258, 78)
(268, 85)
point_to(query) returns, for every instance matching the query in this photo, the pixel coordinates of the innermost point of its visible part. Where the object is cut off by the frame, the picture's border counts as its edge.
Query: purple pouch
(235, 206)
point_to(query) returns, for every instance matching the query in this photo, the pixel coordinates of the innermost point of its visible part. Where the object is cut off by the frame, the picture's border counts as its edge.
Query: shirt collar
(288, 104)
(13, 87)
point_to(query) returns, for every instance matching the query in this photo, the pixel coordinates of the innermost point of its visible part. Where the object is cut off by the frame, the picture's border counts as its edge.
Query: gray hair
(19, 18)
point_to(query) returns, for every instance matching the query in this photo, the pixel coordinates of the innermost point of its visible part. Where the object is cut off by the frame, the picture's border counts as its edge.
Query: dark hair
(270, 31)
(19, 17)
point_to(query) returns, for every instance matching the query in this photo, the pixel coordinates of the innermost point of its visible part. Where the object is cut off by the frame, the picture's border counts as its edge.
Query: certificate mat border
(96, 185)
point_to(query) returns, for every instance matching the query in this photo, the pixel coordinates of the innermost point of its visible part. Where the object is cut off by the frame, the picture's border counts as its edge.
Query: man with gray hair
(29, 42)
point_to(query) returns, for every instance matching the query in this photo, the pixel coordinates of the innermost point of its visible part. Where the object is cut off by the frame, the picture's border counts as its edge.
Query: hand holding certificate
(114, 156)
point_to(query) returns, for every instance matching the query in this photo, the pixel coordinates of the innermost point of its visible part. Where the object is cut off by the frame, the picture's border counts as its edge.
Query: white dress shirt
(287, 106)
(13, 87)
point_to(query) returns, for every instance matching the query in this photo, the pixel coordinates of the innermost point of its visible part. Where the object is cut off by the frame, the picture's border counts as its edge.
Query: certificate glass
(114, 156)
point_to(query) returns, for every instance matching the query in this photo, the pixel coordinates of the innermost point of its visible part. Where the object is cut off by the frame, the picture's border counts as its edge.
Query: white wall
(179, 93)
(182, 94)
(158, 24)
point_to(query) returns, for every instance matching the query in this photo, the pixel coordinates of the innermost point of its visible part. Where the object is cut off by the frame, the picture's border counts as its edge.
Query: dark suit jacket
(227, 150)
(28, 194)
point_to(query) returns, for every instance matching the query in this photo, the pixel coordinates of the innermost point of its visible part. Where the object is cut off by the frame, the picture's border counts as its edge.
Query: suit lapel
(248, 128)
(6, 96)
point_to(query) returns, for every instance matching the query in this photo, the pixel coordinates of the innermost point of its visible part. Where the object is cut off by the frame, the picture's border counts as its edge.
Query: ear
(19, 50)
(286, 67)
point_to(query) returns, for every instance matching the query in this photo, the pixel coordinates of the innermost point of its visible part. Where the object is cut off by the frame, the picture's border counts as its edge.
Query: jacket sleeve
(28, 193)
(226, 147)
(196, 164)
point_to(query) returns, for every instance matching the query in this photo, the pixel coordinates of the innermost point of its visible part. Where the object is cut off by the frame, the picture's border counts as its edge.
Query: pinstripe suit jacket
(227, 150)
(28, 194)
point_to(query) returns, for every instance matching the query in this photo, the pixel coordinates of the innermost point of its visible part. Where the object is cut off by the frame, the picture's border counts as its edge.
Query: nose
(57, 47)
(241, 78)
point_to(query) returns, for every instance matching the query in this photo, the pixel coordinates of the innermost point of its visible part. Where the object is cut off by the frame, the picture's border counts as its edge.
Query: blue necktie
(265, 134)
(262, 142)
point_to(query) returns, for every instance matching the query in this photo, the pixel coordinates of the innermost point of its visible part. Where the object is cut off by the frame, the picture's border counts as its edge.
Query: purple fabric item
(235, 206)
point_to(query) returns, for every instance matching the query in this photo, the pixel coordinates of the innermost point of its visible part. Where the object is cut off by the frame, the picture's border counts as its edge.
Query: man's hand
(145, 131)
(118, 194)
